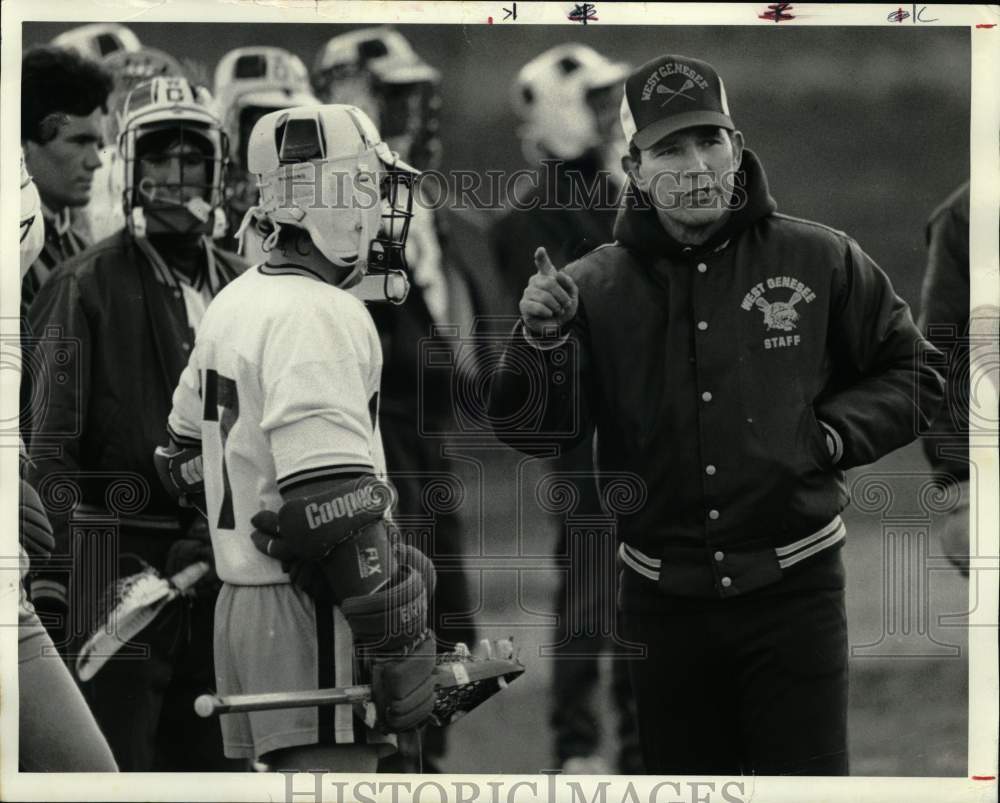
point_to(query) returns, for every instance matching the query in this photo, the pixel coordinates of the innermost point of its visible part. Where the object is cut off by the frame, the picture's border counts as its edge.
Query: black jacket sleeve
(61, 375)
(541, 392)
(888, 393)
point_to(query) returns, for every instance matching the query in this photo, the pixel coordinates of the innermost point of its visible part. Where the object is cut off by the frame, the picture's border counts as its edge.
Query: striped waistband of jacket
(788, 555)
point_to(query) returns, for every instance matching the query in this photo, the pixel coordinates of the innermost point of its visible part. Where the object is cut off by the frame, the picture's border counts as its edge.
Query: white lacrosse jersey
(281, 389)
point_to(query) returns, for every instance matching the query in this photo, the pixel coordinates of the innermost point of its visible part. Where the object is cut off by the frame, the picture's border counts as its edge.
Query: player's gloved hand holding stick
(384, 594)
(550, 300)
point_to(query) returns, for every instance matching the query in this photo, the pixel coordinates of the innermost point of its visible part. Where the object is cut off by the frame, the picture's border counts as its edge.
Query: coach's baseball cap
(670, 93)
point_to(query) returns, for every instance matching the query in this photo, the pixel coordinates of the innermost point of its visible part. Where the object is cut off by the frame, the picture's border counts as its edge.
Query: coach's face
(63, 168)
(689, 175)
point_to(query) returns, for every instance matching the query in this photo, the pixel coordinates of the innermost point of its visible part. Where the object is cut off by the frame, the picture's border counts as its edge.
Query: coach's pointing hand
(550, 299)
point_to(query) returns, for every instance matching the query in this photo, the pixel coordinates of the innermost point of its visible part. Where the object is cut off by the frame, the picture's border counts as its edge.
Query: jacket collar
(638, 228)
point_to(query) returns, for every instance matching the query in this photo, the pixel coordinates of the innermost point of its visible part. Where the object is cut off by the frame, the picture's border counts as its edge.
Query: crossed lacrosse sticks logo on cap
(662, 89)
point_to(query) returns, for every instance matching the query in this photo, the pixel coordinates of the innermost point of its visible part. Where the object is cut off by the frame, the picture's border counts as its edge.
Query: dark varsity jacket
(113, 338)
(720, 375)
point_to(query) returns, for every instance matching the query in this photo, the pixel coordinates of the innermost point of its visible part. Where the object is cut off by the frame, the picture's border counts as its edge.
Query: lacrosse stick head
(463, 681)
(127, 607)
(475, 679)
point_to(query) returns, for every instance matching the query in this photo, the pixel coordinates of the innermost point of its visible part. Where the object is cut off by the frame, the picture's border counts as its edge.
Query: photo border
(983, 23)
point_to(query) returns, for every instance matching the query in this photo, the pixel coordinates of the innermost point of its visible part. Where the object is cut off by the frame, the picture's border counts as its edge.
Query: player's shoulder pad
(314, 523)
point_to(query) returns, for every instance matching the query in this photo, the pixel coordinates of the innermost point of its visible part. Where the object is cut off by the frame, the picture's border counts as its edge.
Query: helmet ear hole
(568, 64)
(527, 95)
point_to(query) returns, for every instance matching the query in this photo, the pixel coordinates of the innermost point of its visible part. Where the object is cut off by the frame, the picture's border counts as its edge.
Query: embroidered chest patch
(777, 298)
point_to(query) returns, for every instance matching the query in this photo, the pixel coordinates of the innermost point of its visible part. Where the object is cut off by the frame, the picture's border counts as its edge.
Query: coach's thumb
(543, 263)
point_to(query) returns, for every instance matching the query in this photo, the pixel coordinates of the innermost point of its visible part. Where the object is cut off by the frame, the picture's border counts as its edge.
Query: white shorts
(272, 638)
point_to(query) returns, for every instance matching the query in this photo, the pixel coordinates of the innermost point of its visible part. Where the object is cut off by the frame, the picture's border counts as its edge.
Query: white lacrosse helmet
(98, 40)
(164, 112)
(326, 170)
(129, 68)
(568, 98)
(252, 81)
(32, 222)
(377, 70)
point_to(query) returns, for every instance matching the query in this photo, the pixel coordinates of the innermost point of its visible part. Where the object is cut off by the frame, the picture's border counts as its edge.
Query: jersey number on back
(222, 404)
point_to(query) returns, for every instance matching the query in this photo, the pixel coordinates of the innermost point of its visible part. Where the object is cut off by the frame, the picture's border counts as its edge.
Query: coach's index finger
(542, 262)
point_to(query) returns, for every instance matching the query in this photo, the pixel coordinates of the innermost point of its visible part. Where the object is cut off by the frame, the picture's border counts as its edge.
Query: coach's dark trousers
(754, 684)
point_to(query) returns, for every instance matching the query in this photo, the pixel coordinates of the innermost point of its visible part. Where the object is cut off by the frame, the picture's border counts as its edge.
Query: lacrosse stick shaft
(446, 676)
(209, 705)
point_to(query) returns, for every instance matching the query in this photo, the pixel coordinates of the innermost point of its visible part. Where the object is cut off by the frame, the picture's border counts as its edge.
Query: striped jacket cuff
(182, 440)
(308, 475)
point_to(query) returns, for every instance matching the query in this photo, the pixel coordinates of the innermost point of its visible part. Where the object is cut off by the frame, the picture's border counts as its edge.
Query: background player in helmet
(377, 70)
(280, 402)
(249, 83)
(98, 40)
(568, 99)
(131, 304)
(104, 214)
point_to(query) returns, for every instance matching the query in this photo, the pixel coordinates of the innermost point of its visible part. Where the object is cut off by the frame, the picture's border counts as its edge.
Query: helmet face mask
(173, 154)
(604, 103)
(174, 181)
(386, 252)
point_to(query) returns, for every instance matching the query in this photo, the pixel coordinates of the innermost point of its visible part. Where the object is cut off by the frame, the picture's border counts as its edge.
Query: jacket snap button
(726, 582)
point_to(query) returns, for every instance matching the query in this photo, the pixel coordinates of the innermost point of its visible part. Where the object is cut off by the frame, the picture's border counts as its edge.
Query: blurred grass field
(908, 715)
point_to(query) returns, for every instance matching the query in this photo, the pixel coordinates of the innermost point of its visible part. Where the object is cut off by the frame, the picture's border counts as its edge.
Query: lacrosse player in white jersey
(278, 411)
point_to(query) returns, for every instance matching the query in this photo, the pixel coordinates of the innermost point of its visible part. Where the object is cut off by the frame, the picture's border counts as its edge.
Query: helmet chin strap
(173, 217)
(314, 262)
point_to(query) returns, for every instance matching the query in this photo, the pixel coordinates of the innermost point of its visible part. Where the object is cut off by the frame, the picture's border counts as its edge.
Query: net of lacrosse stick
(462, 682)
(129, 606)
